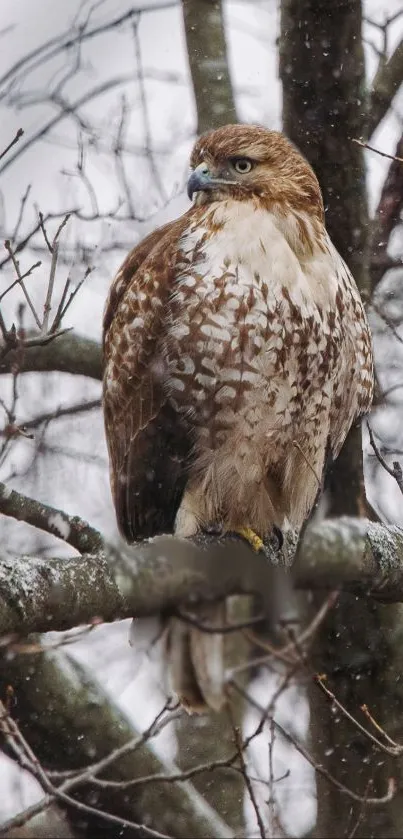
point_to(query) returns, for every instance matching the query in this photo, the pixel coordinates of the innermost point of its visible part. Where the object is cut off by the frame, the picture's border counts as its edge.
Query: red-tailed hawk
(237, 353)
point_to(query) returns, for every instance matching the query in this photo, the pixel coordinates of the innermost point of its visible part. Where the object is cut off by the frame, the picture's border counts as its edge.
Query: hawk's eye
(242, 165)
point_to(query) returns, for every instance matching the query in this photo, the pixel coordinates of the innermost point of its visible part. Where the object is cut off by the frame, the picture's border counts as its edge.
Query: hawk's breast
(247, 342)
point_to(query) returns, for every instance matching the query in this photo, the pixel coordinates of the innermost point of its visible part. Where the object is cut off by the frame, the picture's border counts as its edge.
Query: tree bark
(387, 217)
(70, 353)
(208, 62)
(385, 85)
(70, 722)
(325, 108)
(164, 574)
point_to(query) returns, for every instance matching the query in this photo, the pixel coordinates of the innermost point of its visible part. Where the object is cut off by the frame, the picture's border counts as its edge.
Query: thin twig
(63, 306)
(395, 750)
(283, 653)
(396, 471)
(43, 228)
(18, 280)
(7, 245)
(365, 710)
(23, 202)
(24, 753)
(13, 142)
(218, 630)
(247, 780)
(52, 273)
(59, 413)
(377, 151)
(375, 802)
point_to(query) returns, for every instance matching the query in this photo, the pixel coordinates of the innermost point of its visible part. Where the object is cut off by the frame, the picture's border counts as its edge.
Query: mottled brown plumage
(237, 352)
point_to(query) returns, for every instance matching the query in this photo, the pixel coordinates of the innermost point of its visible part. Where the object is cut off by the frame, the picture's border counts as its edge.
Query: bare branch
(9, 249)
(13, 142)
(62, 43)
(71, 353)
(60, 701)
(28, 760)
(18, 280)
(64, 305)
(70, 529)
(385, 85)
(20, 217)
(58, 413)
(387, 216)
(319, 768)
(248, 782)
(396, 471)
(377, 151)
(52, 273)
(393, 749)
(166, 573)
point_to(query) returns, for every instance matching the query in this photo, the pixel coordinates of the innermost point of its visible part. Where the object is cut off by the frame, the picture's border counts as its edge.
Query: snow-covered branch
(162, 575)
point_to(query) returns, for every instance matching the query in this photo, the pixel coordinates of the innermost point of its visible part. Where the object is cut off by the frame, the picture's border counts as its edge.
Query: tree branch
(385, 85)
(387, 216)
(68, 353)
(69, 721)
(160, 575)
(71, 529)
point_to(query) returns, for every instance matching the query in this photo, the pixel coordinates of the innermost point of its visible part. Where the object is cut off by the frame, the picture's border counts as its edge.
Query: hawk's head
(242, 161)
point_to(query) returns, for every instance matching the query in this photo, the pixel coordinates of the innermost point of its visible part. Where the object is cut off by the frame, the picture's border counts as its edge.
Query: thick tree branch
(69, 353)
(207, 52)
(165, 573)
(70, 722)
(385, 85)
(387, 216)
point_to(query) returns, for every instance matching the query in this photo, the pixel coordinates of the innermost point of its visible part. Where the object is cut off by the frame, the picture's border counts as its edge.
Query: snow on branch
(71, 529)
(165, 573)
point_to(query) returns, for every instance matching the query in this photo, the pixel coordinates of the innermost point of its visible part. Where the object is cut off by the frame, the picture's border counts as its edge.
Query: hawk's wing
(353, 389)
(147, 446)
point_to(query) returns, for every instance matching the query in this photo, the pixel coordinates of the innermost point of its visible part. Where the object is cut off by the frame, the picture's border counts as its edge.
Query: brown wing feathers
(147, 444)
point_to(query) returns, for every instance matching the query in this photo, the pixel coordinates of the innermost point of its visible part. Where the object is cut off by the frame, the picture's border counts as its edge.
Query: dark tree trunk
(324, 109)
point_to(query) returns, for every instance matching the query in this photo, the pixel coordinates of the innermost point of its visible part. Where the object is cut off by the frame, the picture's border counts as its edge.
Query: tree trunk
(70, 722)
(323, 76)
(207, 53)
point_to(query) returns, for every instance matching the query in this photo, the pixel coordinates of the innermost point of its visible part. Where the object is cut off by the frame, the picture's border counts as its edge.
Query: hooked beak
(201, 179)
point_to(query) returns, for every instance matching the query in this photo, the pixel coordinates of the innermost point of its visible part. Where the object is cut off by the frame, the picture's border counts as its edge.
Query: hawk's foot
(214, 529)
(251, 537)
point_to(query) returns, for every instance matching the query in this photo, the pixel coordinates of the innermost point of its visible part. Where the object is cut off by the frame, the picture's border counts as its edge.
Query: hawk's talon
(255, 542)
(279, 536)
(213, 529)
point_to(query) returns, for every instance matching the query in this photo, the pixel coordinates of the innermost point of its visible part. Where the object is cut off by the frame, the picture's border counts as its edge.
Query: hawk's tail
(196, 658)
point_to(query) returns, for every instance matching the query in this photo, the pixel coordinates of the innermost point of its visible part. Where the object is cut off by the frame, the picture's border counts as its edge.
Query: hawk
(237, 355)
